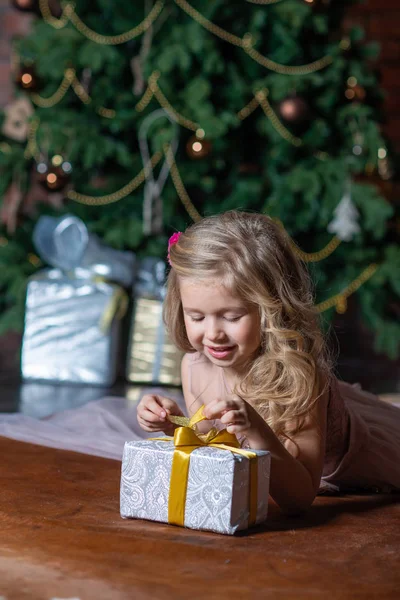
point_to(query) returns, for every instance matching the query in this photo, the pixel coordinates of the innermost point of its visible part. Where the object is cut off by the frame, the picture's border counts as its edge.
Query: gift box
(209, 484)
(73, 312)
(152, 357)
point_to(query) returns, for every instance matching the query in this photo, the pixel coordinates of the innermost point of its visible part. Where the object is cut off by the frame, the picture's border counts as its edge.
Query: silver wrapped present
(218, 486)
(152, 357)
(72, 318)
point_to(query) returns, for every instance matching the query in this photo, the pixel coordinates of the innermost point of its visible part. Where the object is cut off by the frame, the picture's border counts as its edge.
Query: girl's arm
(297, 465)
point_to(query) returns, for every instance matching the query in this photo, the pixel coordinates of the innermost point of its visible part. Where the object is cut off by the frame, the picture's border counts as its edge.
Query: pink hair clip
(172, 241)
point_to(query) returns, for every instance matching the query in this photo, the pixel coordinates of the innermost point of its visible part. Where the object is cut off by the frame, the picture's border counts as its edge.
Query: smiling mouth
(220, 348)
(220, 351)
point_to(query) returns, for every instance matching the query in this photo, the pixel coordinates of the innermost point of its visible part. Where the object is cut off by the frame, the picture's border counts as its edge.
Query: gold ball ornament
(198, 147)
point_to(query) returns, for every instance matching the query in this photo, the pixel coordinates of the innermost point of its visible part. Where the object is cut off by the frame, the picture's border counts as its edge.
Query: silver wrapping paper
(217, 492)
(63, 340)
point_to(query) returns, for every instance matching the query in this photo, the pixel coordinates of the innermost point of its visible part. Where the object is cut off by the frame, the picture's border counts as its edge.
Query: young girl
(239, 303)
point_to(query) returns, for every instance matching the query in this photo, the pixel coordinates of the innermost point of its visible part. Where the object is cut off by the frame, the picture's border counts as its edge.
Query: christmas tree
(140, 117)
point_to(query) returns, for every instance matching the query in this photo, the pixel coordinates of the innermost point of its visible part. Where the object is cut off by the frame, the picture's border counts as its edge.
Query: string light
(340, 300)
(260, 99)
(127, 189)
(70, 80)
(32, 150)
(178, 184)
(69, 15)
(48, 17)
(246, 43)
(26, 79)
(310, 257)
(57, 160)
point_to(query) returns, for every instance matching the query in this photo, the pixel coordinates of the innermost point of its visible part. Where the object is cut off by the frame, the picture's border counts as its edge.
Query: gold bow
(185, 441)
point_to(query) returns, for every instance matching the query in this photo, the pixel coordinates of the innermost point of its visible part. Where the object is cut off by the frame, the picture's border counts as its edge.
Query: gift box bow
(66, 245)
(186, 440)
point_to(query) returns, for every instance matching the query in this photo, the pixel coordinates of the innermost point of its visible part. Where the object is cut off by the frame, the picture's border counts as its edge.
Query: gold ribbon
(116, 307)
(185, 441)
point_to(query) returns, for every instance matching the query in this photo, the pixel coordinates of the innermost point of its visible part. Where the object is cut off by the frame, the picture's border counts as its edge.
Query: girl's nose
(214, 331)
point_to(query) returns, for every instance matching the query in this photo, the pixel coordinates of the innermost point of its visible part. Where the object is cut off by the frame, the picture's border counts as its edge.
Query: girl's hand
(235, 413)
(152, 412)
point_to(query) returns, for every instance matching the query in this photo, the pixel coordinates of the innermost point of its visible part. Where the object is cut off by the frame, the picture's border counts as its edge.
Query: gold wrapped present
(152, 357)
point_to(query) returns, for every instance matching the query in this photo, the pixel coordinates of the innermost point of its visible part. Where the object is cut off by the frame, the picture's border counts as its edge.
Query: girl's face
(219, 324)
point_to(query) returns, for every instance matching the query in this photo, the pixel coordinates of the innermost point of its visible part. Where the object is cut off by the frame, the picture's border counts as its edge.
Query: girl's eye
(232, 319)
(196, 319)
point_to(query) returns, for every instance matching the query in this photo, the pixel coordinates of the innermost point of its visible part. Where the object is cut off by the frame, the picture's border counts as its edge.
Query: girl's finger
(170, 406)
(234, 417)
(215, 409)
(237, 428)
(150, 417)
(155, 407)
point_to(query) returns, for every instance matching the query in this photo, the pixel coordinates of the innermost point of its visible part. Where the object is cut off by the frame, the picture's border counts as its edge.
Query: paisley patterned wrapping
(217, 492)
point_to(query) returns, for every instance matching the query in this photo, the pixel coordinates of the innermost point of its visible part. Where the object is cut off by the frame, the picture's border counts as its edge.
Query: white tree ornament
(345, 224)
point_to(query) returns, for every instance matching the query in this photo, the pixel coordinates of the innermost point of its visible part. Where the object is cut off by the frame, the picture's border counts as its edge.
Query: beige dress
(362, 437)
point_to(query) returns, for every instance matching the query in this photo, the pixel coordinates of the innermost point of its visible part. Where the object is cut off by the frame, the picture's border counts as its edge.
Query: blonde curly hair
(252, 256)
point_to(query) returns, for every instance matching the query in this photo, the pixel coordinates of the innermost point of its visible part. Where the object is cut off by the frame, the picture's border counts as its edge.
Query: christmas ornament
(37, 194)
(139, 60)
(152, 203)
(344, 224)
(294, 109)
(197, 147)
(354, 91)
(54, 176)
(86, 80)
(26, 5)
(17, 115)
(26, 78)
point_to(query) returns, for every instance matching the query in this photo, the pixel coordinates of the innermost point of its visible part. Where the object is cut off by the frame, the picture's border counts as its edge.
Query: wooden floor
(61, 536)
